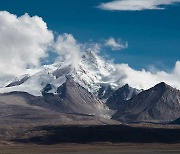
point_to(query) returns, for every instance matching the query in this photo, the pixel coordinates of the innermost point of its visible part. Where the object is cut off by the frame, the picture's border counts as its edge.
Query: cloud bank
(23, 42)
(145, 79)
(116, 45)
(133, 5)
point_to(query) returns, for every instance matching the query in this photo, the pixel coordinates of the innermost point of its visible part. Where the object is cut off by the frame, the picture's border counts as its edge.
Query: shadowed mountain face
(159, 104)
(120, 96)
(105, 91)
(79, 100)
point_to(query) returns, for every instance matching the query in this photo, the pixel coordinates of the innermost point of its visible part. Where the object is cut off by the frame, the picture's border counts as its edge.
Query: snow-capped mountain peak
(92, 72)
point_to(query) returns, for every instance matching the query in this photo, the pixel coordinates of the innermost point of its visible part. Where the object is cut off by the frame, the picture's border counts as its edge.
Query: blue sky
(153, 36)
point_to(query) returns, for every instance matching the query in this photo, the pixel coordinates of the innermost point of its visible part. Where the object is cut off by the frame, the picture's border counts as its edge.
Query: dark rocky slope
(120, 96)
(160, 104)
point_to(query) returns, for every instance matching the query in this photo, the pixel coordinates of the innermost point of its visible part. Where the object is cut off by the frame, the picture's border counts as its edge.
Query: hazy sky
(144, 38)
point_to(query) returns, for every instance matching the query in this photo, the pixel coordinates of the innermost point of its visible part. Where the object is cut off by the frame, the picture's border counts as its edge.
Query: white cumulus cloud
(116, 45)
(23, 42)
(68, 49)
(132, 5)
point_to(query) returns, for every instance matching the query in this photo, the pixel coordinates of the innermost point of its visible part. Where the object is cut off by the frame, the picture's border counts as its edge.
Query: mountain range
(88, 94)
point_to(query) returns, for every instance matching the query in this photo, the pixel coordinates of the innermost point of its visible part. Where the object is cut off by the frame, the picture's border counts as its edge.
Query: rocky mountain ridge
(94, 89)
